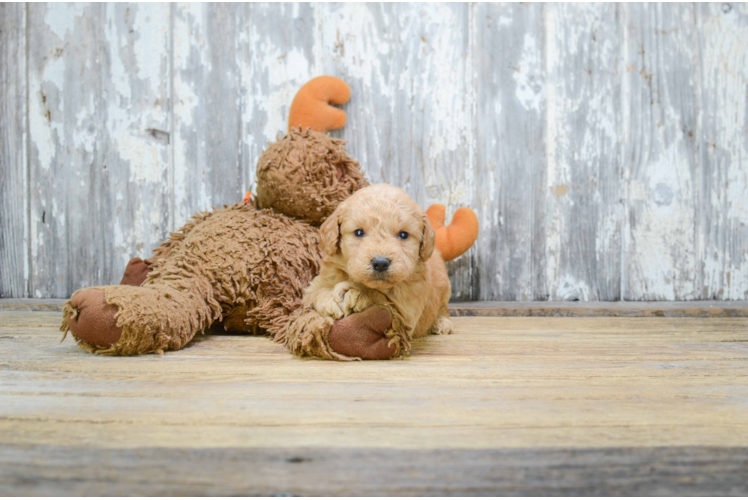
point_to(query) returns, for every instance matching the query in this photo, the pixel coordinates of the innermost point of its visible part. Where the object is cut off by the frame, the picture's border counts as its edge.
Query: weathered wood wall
(604, 147)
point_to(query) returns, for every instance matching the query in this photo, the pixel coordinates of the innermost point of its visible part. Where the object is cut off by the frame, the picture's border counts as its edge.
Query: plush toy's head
(306, 174)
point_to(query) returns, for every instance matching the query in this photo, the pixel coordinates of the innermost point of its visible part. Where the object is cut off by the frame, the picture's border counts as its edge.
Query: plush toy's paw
(442, 326)
(91, 319)
(362, 335)
(135, 273)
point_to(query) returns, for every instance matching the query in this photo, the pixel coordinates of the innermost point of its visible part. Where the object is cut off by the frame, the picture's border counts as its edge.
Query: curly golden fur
(380, 251)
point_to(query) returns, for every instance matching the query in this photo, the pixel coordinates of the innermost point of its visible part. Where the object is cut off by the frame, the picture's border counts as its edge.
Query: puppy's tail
(456, 238)
(312, 105)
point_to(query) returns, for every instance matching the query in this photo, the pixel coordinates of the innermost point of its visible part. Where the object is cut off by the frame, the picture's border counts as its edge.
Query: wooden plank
(136, 138)
(674, 471)
(584, 192)
(100, 153)
(496, 383)
(207, 50)
(68, 192)
(702, 309)
(14, 272)
(510, 187)
(278, 44)
(723, 223)
(31, 304)
(661, 152)
(410, 120)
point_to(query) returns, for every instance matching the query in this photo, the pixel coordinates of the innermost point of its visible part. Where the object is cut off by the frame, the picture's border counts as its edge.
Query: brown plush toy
(242, 267)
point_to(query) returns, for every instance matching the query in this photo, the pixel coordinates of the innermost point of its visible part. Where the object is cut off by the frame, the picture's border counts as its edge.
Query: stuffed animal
(243, 267)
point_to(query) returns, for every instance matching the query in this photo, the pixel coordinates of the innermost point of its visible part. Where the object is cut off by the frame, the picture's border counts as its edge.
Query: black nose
(380, 264)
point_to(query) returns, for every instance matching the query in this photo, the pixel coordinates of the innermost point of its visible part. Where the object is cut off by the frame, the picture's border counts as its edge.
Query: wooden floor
(507, 405)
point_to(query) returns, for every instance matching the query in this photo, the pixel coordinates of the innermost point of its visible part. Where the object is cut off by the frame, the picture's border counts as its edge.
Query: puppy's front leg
(442, 325)
(351, 298)
(326, 301)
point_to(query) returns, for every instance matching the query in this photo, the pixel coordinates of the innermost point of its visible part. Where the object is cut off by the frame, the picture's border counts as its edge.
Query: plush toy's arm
(311, 106)
(456, 238)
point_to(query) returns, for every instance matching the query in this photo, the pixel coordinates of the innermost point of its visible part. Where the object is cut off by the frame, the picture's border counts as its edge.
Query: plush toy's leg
(358, 336)
(91, 320)
(124, 320)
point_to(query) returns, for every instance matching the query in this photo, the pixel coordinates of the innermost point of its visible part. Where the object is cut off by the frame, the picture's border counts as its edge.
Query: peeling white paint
(529, 76)
(61, 18)
(615, 90)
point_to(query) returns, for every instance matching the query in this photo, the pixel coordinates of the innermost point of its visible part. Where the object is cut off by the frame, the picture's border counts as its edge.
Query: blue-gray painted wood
(603, 146)
(14, 248)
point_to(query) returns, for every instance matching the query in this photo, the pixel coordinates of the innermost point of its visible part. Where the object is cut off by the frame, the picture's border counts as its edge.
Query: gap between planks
(699, 308)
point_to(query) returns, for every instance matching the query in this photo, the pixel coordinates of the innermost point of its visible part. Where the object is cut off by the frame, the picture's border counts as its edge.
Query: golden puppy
(380, 251)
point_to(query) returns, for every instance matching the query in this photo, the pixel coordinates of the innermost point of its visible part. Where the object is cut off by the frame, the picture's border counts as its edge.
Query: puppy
(379, 248)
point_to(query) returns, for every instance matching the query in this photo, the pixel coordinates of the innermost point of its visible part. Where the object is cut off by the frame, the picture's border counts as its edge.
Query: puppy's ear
(428, 240)
(329, 232)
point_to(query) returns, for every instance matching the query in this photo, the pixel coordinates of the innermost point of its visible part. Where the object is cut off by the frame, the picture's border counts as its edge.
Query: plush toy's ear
(428, 239)
(455, 239)
(329, 232)
(311, 106)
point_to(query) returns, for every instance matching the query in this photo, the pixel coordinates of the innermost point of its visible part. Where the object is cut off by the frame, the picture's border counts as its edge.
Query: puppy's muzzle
(380, 264)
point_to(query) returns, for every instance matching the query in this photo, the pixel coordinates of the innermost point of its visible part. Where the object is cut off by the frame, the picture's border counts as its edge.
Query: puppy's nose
(380, 264)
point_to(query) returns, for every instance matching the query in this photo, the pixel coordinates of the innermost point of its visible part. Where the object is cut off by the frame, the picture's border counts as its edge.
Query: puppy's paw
(327, 305)
(442, 326)
(339, 291)
(356, 301)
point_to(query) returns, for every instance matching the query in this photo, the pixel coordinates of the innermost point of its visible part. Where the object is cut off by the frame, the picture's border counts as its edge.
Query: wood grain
(661, 152)
(100, 154)
(136, 157)
(510, 152)
(584, 192)
(673, 309)
(14, 271)
(670, 471)
(207, 115)
(723, 215)
(496, 383)
(505, 404)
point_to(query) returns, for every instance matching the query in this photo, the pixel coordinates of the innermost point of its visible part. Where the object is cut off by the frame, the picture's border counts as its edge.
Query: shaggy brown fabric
(135, 272)
(307, 158)
(358, 337)
(242, 265)
(91, 319)
(347, 337)
(235, 260)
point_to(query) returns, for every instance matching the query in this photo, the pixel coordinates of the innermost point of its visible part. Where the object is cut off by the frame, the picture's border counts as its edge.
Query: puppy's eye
(403, 235)
(359, 233)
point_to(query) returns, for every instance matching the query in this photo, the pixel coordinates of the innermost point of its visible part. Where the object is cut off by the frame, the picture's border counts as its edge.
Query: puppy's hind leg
(442, 325)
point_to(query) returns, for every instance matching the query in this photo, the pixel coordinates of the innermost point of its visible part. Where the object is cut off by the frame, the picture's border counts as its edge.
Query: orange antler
(455, 239)
(311, 106)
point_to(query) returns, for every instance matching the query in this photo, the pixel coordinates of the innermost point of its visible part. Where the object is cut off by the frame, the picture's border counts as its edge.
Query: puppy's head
(379, 236)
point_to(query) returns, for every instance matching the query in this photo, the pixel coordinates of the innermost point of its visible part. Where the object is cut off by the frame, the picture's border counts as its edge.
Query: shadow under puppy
(379, 248)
